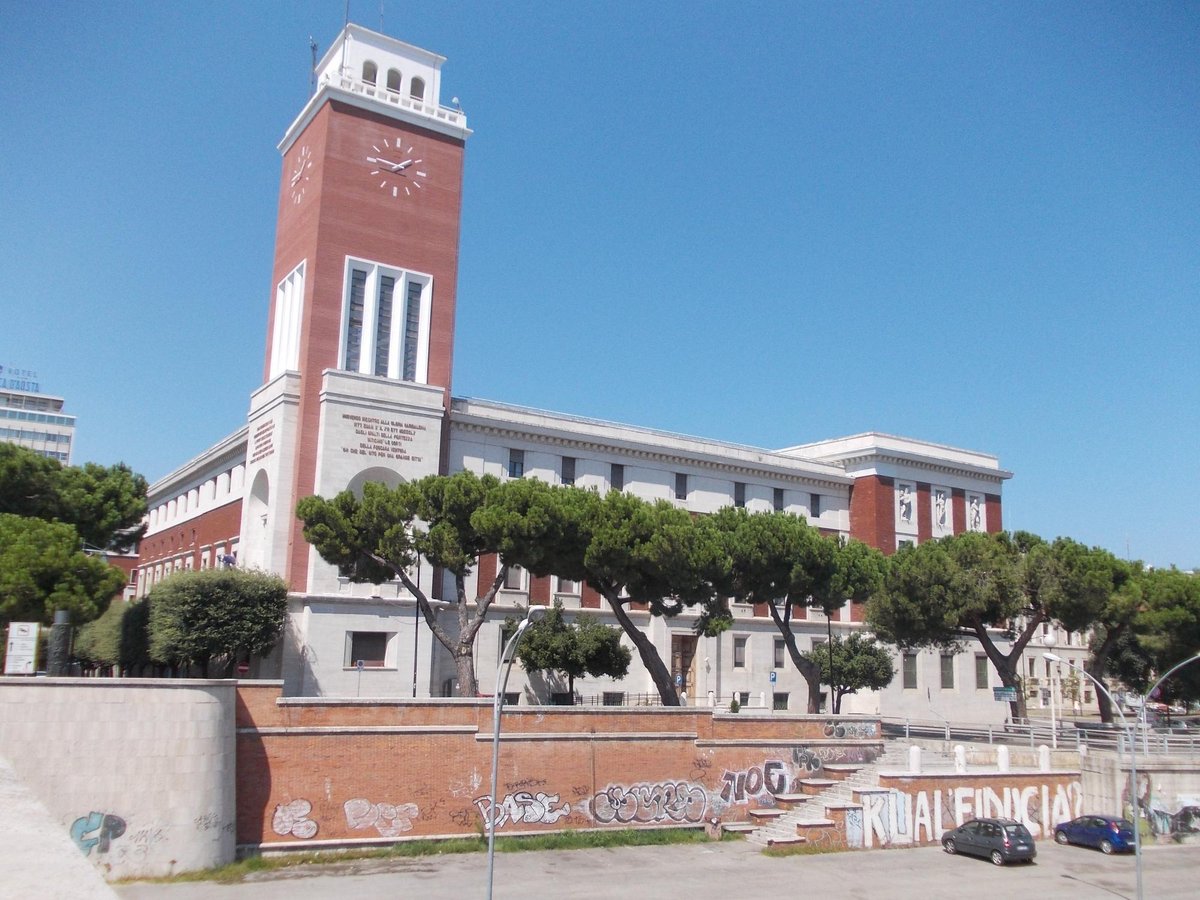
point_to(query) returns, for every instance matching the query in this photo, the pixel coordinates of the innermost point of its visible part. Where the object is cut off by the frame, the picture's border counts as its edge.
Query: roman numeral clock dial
(397, 167)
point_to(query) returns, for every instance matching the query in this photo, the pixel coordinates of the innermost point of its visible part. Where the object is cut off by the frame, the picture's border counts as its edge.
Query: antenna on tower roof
(312, 75)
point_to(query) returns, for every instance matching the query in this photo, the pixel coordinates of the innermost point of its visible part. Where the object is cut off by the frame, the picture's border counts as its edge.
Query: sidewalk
(37, 856)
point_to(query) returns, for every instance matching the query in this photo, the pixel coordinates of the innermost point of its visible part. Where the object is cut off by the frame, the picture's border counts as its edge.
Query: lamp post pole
(503, 668)
(1049, 639)
(1137, 816)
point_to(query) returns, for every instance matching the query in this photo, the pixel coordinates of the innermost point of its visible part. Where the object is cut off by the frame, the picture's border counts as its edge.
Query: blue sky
(768, 223)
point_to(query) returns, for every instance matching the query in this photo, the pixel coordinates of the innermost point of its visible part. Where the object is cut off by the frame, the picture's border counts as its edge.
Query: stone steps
(809, 809)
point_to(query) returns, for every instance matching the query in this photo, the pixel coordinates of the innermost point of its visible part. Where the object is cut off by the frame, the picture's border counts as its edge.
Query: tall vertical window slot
(383, 323)
(385, 326)
(354, 322)
(814, 506)
(412, 330)
(681, 486)
(777, 500)
(617, 477)
(739, 493)
(568, 470)
(285, 330)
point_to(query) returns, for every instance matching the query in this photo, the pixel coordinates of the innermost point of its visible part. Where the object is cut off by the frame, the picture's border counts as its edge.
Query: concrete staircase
(793, 814)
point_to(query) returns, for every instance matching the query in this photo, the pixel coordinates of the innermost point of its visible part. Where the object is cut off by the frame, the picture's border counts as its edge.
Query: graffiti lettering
(680, 801)
(106, 827)
(388, 819)
(895, 817)
(740, 787)
(524, 808)
(292, 818)
(834, 728)
(524, 783)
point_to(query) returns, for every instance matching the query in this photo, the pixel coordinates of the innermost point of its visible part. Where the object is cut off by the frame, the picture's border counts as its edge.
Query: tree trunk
(1096, 665)
(809, 670)
(462, 646)
(646, 650)
(1006, 665)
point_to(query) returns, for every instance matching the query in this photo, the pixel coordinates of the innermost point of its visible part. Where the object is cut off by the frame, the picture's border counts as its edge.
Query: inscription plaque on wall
(263, 442)
(382, 438)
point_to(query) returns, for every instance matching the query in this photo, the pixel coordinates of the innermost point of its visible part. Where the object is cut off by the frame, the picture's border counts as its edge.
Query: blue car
(1109, 833)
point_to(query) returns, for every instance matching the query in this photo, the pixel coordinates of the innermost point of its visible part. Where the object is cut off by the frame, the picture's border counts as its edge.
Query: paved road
(716, 871)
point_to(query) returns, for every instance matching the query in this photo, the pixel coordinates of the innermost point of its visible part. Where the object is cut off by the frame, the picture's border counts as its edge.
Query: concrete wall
(1168, 791)
(139, 772)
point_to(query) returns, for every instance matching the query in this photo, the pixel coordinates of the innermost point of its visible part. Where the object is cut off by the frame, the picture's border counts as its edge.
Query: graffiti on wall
(96, 830)
(892, 816)
(755, 783)
(524, 808)
(389, 819)
(1168, 815)
(292, 819)
(667, 801)
(854, 730)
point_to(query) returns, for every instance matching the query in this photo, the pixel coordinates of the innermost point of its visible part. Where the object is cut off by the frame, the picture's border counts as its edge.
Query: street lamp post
(1137, 816)
(1154, 687)
(1049, 639)
(503, 668)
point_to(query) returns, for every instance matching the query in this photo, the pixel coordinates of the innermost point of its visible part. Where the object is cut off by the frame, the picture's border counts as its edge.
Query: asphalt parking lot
(717, 871)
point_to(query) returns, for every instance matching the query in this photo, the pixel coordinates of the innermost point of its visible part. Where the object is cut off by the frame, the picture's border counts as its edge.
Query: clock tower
(361, 324)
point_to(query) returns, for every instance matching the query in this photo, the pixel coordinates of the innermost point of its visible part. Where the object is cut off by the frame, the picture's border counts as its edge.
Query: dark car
(1000, 840)
(1109, 833)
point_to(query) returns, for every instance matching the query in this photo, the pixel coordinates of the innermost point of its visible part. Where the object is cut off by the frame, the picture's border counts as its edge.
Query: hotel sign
(13, 379)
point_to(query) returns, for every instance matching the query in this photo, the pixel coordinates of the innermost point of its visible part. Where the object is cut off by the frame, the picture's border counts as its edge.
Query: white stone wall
(139, 773)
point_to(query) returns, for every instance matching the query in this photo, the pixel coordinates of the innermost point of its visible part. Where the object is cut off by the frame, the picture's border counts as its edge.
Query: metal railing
(1035, 732)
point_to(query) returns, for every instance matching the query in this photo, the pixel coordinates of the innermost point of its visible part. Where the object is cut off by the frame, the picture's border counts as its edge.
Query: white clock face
(397, 167)
(301, 171)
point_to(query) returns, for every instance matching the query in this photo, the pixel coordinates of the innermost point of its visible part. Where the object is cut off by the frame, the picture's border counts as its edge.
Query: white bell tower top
(379, 73)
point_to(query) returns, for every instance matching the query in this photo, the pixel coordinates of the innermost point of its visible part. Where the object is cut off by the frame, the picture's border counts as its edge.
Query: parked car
(1000, 840)
(1109, 833)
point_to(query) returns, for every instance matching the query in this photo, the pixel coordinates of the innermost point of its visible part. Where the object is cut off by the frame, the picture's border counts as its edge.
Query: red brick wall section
(872, 516)
(924, 513)
(539, 590)
(994, 519)
(486, 571)
(958, 507)
(186, 540)
(349, 772)
(589, 597)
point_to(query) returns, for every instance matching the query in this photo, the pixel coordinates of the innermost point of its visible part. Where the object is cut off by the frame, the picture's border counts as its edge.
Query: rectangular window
(739, 494)
(780, 650)
(285, 335)
(947, 671)
(516, 463)
(910, 671)
(681, 486)
(777, 500)
(814, 506)
(981, 672)
(514, 579)
(779, 702)
(354, 323)
(617, 477)
(568, 470)
(369, 647)
(567, 586)
(386, 318)
(383, 323)
(743, 698)
(412, 330)
(739, 653)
